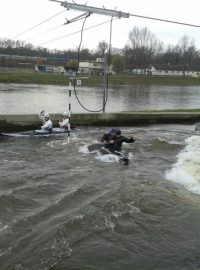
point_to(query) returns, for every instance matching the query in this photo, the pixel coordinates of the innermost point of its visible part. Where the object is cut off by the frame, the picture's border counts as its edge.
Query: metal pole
(90, 9)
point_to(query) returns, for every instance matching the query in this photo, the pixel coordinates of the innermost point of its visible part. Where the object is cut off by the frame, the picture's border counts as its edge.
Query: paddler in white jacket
(65, 121)
(47, 125)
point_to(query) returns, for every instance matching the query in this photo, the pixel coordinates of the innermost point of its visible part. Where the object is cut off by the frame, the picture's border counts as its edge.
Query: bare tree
(143, 46)
(187, 51)
(102, 47)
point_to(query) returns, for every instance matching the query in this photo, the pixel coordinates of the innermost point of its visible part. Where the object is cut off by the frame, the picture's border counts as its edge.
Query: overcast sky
(17, 16)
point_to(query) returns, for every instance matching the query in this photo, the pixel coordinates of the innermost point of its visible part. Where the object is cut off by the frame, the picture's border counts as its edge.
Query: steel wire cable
(74, 80)
(35, 26)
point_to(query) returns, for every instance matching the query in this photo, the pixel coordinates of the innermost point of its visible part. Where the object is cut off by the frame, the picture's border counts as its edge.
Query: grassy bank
(29, 77)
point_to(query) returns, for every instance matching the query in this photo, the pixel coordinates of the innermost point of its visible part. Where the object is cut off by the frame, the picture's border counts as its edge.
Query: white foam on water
(15, 135)
(171, 141)
(108, 158)
(131, 156)
(83, 149)
(3, 228)
(186, 171)
(110, 223)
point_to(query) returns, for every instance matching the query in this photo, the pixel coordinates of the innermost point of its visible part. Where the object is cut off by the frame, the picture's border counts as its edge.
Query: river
(23, 99)
(63, 208)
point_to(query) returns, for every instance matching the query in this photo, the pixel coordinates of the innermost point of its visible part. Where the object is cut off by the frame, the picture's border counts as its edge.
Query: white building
(50, 69)
(93, 67)
(165, 72)
(169, 72)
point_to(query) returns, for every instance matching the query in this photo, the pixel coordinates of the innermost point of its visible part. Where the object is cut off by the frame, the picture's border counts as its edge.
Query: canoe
(105, 151)
(37, 132)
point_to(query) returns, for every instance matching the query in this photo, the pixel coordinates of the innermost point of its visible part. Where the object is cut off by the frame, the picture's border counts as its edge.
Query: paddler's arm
(130, 139)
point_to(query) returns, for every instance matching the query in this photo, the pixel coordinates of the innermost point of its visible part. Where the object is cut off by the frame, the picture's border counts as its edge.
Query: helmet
(118, 132)
(111, 130)
(65, 114)
(46, 115)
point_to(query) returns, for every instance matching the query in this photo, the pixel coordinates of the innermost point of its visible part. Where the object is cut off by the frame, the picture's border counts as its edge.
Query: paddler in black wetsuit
(107, 137)
(113, 140)
(111, 143)
(107, 140)
(118, 140)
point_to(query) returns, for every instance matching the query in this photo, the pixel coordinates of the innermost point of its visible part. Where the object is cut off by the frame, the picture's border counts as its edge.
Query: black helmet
(111, 131)
(118, 132)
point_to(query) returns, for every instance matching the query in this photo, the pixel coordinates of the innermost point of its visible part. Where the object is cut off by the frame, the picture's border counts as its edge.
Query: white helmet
(46, 115)
(65, 114)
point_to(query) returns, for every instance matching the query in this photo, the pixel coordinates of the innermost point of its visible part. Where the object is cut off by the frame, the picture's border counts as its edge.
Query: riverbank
(31, 121)
(30, 77)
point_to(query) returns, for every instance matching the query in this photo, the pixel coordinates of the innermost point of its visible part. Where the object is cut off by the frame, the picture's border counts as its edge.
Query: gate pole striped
(69, 115)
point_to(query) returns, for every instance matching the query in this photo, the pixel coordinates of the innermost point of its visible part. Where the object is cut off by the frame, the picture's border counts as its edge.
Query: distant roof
(176, 67)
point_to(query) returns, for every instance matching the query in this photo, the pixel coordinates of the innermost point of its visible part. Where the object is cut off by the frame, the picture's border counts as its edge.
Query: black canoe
(37, 132)
(104, 151)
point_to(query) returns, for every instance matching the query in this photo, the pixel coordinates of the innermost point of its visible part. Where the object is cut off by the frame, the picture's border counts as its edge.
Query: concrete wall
(32, 121)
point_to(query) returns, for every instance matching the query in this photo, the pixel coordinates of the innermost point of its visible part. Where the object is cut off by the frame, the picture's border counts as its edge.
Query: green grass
(35, 78)
(57, 79)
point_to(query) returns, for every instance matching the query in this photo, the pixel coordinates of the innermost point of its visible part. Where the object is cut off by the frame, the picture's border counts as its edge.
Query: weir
(32, 121)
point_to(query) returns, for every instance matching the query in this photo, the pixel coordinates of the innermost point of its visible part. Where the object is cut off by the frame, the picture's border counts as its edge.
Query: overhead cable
(52, 29)
(77, 32)
(33, 27)
(133, 15)
(163, 20)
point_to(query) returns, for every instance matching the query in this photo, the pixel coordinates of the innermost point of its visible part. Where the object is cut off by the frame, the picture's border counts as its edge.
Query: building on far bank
(167, 70)
(94, 67)
(50, 69)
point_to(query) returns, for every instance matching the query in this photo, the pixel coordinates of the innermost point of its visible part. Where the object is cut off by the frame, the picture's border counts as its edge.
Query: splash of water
(186, 171)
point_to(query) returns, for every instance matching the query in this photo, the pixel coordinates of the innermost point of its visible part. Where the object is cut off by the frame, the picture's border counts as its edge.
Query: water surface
(64, 208)
(23, 99)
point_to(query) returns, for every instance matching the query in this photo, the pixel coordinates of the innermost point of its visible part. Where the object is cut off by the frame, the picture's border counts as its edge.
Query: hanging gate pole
(69, 116)
(104, 82)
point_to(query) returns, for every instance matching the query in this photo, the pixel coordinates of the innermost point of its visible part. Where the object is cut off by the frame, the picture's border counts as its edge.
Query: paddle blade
(94, 147)
(125, 161)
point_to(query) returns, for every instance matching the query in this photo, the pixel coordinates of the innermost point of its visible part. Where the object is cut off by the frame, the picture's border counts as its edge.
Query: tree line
(142, 51)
